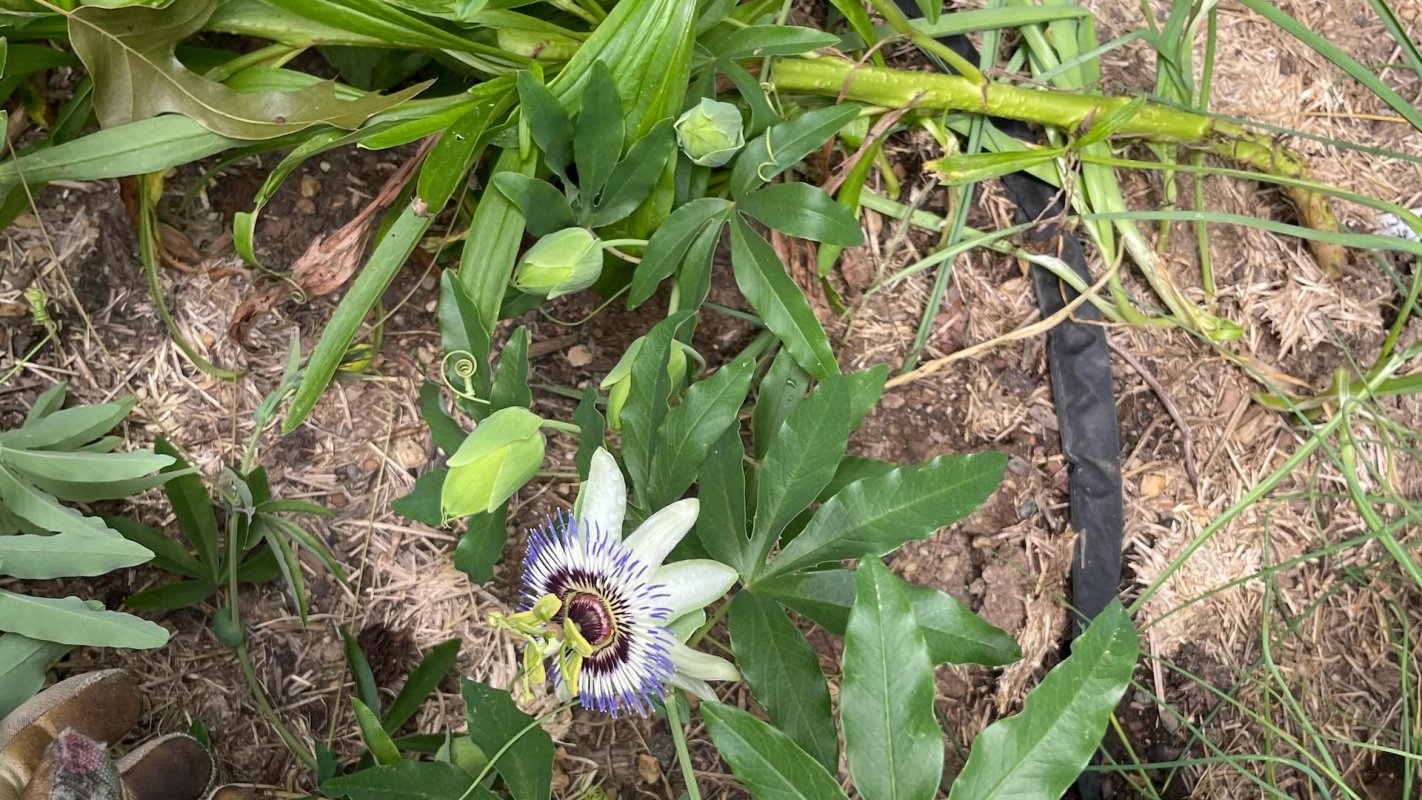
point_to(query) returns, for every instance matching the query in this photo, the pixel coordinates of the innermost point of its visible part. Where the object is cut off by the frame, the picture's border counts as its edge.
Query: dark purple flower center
(592, 616)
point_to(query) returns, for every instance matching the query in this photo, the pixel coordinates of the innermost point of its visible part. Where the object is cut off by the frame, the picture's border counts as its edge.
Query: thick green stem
(893, 88)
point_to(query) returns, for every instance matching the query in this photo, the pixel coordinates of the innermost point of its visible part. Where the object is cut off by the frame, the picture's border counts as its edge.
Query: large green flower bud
(501, 455)
(711, 133)
(560, 263)
(619, 381)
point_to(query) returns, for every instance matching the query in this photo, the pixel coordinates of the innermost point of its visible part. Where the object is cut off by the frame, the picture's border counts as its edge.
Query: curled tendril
(772, 162)
(465, 367)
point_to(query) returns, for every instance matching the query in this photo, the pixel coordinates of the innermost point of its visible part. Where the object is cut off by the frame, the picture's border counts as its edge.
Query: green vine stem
(894, 88)
(683, 755)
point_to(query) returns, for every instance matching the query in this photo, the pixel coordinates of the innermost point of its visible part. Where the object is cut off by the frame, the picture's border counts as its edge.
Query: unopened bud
(560, 263)
(711, 133)
(501, 455)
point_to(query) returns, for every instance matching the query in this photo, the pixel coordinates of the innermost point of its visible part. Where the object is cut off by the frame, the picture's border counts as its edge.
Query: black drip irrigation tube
(1079, 364)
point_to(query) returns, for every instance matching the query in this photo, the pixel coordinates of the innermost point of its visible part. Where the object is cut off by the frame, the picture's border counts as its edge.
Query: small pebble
(306, 206)
(579, 355)
(309, 186)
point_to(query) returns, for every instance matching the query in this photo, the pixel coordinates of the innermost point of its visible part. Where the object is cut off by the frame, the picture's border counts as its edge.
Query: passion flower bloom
(605, 617)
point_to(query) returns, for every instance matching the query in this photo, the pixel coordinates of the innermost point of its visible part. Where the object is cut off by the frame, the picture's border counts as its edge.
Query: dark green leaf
(891, 735)
(446, 433)
(190, 502)
(544, 208)
(260, 568)
(801, 459)
(646, 405)
(635, 176)
(955, 635)
(782, 388)
(763, 114)
(167, 552)
(511, 377)
(590, 426)
(365, 689)
(482, 544)
(779, 303)
(783, 145)
(308, 540)
(784, 674)
(171, 596)
(1038, 753)
(422, 503)
(770, 765)
(721, 489)
(689, 430)
(548, 123)
(876, 515)
(422, 682)
(405, 780)
(495, 721)
(771, 40)
(294, 507)
(597, 136)
(855, 468)
(151, 145)
(669, 244)
(930, 9)
(802, 210)
(693, 281)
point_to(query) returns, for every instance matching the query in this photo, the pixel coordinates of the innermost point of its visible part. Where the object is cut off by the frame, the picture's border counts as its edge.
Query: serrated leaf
(955, 635)
(689, 430)
(891, 736)
(802, 210)
(770, 765)
(70, 620)
(779, 303)
(129, 53)
(876, 515)
(1037, 754)
(494, 722)
(784, 675)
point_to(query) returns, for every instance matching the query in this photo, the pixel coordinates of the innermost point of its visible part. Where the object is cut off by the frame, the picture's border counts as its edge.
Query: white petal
(693, 584)
(696, 664)
(695, 686)
(602, 501)
(657, 536)
(683, 626)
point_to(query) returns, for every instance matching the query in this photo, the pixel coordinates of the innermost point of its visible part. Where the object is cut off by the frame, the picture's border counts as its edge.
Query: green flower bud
(560, 263)
(501, 455)
(539, 45)
(619, 381)
(711, 133)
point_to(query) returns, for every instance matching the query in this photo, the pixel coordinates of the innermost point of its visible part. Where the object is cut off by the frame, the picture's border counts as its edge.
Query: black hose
(1079, 364)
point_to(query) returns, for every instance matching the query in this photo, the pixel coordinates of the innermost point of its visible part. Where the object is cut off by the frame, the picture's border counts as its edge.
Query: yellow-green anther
(560, 263)
(711, 133)
(574, 638)
(546, 607)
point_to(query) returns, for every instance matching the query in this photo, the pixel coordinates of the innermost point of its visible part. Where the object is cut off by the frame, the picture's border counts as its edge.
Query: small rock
(310, 187)
(579, 355)
(325, 166)
(892, 401)
(648, 769)
(306, 206)
(409, 454)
